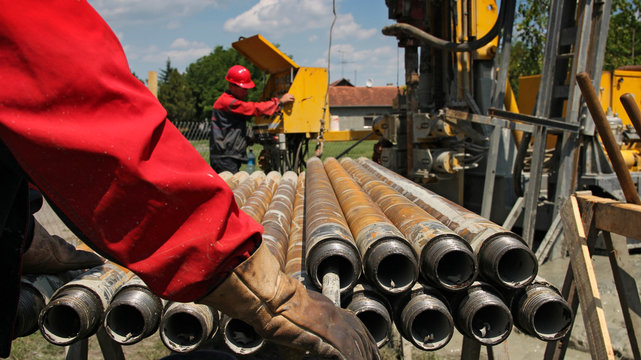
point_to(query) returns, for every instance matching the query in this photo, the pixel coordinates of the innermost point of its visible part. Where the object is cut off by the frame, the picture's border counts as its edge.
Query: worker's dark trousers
(220, 164)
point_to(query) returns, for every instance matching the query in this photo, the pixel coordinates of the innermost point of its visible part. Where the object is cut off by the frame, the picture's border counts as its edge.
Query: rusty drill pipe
(446, 259)
(540, 310)
(240, 337)
(294, 266)
(278, 217)
(609, 142)
(423, 317)
(243, 191)
(76, 309)
(329, 242)
(631, 107)
(503, 257)
(237, 179)
(186, 326)
(389, 260)
(374, 310)
(226, 176)
(133, 314)
(257, 203)
(480, 313)
(35, 293)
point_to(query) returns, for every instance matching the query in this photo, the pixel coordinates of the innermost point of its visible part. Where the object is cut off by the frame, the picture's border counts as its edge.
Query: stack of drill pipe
(256, 204)
(133, 314)
(278, 218)
(423, 317)
(237, 179)
(446, 259)
(373, 309)
(35, 294)
(226, 176)
(243, 191)
(186, 326)
(504, 258)
(539, 310)
(272, 204)
(389, 260)
(294, 258)
(330, 249)
(76, 309)
(480, 313)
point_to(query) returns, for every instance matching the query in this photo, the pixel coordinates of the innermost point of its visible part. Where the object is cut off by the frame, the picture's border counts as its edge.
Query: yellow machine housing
(307, 84)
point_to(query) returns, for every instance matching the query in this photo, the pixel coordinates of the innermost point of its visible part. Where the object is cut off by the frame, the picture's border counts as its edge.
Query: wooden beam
(615, 216)
(586, 284)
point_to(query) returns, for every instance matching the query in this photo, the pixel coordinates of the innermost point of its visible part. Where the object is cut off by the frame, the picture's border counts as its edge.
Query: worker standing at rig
(78, 125)
(228, 139)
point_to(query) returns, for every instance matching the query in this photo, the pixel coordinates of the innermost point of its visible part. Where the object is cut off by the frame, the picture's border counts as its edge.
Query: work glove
(282, 310)
(51, 254)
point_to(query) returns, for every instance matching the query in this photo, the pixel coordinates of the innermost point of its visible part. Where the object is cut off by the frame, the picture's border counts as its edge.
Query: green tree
(176, 97)
(624, 43)
(164, 73)
(206, 78)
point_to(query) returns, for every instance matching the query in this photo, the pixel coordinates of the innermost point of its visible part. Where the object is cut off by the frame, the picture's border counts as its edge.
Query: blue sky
(184, 30)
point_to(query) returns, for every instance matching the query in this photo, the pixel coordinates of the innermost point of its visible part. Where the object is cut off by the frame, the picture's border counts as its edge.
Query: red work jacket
(98, 144)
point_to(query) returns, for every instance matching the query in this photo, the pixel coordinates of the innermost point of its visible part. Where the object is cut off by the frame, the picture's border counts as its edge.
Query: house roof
(362, 96)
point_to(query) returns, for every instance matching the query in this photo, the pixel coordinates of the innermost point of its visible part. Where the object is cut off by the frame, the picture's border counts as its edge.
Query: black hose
(412, 31)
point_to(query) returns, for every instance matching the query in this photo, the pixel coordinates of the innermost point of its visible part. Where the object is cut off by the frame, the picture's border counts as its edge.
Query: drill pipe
(35, 293)
(226, 176)
(240, 337)
(389, 260)
(373, 310)
(329, 242)
(278, 217)
(503, 257)
(256, 205)
(237, 179)
(423, 317)
(133, 314)
(540, 310)
(446, 259)
(76, 309)
(294, 264)
(186, 326)
(244, 189)
(480, 313)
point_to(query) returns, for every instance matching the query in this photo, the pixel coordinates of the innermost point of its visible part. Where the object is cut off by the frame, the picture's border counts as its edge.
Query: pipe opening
(396, 273)
(517, 267)
(431, 330)
(344, 267)
(491, 324)
(552, 320)
(62, 322)
(183, 329)
(242, 338)
(456, 269)
(125, 323)
(376, 324)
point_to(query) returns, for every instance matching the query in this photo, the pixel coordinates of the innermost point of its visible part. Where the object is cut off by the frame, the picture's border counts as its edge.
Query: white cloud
(346, 27)
(140, 11)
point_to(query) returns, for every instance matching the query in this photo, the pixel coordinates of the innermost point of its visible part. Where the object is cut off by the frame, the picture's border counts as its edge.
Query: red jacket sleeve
(98, 145)
(227, 102)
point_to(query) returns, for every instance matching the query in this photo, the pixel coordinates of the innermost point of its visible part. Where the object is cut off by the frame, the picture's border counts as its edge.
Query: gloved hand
(282, 310)
(49, 254)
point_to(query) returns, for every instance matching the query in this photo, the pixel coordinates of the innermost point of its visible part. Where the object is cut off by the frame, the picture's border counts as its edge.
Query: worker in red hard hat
(228, 139)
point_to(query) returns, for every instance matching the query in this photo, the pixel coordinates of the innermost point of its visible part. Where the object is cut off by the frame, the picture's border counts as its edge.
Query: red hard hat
(240, 76)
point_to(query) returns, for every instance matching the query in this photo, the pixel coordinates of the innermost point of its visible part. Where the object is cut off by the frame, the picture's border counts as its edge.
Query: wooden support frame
(583, 217)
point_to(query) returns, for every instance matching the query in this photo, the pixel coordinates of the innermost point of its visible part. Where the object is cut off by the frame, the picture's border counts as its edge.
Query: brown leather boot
(282, 310)
(49, 254)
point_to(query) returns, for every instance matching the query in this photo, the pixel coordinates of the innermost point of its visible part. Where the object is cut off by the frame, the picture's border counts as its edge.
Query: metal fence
(198, 135)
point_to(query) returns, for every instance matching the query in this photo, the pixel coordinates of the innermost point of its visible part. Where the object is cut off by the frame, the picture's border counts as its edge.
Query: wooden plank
(586, 284)
(626, 288)
(615, 216)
